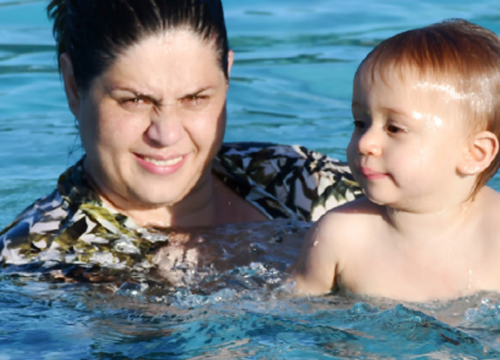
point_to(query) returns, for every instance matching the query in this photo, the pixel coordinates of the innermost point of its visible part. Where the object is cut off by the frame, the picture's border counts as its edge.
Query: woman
(147, 82)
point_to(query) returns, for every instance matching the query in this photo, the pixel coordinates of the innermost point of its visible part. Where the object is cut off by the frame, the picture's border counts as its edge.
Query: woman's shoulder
(29, 232)
(261, 151)
(72, 225)
(33, 231)
(306, 181)
(281, 159)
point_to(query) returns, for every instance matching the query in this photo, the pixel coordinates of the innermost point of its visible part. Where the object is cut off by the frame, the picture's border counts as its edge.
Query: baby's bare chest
(420, 274)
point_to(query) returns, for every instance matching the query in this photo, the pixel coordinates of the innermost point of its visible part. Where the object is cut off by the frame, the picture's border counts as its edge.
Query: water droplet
(256, 248)
(277, 239)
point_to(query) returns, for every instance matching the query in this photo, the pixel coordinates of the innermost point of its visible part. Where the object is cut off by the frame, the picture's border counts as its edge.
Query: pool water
(291, 84)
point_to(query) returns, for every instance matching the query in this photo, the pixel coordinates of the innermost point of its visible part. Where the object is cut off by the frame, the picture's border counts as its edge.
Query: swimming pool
(291, 84)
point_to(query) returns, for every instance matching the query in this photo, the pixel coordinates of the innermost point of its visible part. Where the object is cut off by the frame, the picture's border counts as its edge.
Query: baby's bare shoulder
(488, 201)
(354, 212)
(350, 220)
(488, 204)
(331, 242)
(492, 197)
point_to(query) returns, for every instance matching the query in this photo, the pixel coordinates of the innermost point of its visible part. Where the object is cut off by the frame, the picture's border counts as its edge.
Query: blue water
(291, 83)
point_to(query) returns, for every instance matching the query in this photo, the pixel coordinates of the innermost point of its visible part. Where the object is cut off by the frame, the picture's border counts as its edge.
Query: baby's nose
(370, 143)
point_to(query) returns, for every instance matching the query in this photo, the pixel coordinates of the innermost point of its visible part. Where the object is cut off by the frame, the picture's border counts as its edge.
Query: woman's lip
(161, 165)
(158, 157)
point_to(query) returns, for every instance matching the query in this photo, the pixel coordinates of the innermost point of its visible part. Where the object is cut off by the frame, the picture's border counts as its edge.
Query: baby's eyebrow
(394, 111)
(360, 108)
(358, 104)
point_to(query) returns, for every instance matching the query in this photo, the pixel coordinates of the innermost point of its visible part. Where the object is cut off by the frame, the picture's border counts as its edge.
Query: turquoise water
(291, 83)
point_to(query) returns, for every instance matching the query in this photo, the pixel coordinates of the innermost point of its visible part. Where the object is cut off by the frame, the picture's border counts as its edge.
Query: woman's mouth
(161, 166)
(169, 162)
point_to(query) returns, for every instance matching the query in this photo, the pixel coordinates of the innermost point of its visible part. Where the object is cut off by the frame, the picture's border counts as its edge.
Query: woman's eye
(135, 102)
(194, 100)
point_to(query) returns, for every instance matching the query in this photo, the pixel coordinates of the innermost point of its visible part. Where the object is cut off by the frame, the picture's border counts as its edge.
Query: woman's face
(154, 121)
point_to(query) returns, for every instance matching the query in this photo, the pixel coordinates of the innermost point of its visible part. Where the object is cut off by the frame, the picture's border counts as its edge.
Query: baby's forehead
(438, 95)
(410, 78)
(404, 73)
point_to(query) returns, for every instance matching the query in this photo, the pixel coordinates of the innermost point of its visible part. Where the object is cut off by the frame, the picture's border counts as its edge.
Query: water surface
(291, 84)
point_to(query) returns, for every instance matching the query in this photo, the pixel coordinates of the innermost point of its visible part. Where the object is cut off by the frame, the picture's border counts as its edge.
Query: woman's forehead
(163, 64)
(174, 40)
(169, 50)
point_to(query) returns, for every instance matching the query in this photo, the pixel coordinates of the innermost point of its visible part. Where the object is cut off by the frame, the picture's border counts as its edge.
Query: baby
(426, 109)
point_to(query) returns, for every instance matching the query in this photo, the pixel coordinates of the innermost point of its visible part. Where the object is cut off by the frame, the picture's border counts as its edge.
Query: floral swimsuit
(73, 226)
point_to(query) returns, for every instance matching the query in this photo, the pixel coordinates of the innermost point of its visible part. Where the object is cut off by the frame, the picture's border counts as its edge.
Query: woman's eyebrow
(156, 101)
(198, 91)
(138, 94)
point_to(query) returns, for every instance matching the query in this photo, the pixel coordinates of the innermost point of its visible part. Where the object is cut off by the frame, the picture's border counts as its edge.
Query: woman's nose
(166, 128)
(370, 143)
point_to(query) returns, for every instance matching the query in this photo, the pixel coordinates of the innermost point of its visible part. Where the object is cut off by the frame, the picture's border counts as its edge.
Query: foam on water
(41, 319)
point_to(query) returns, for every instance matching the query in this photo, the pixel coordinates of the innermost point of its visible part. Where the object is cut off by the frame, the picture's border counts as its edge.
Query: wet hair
(454, 56)
(95, 32)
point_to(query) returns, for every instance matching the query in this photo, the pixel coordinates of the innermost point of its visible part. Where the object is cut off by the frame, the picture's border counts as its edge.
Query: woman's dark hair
(95, 32)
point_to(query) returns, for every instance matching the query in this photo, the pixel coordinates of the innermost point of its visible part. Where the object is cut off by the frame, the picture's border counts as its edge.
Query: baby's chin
(386, 203)
(377, 200)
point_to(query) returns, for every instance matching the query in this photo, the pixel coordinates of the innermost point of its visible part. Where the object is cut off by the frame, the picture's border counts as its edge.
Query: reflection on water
(224, 293)
(202, 255)
(252, 316)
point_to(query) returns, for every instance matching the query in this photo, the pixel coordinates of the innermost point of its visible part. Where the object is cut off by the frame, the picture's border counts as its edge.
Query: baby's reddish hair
(451, 53)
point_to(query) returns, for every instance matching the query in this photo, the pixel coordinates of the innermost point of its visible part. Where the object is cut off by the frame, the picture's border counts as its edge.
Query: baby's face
(408, 138)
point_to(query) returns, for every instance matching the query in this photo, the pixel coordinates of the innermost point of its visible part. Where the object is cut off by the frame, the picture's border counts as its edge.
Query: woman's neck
(198, 208)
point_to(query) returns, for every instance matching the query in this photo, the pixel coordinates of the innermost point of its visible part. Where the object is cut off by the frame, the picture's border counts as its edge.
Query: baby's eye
(359, 124)
(393, 129)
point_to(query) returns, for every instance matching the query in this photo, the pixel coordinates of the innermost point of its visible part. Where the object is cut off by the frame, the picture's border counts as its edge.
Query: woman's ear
(480, 152)
(72, 93)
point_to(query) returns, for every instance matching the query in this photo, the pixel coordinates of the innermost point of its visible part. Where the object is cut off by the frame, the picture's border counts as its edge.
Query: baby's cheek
(351, 153)
(423, 170)
(423, 155)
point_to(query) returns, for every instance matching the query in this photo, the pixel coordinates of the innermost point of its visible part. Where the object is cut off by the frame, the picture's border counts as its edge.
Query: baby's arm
(315, 269)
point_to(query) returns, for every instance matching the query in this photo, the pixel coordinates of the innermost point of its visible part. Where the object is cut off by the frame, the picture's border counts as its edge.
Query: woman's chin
(154, 200)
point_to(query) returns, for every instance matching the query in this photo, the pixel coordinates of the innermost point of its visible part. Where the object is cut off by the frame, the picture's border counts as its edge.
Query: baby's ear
(480, 151)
